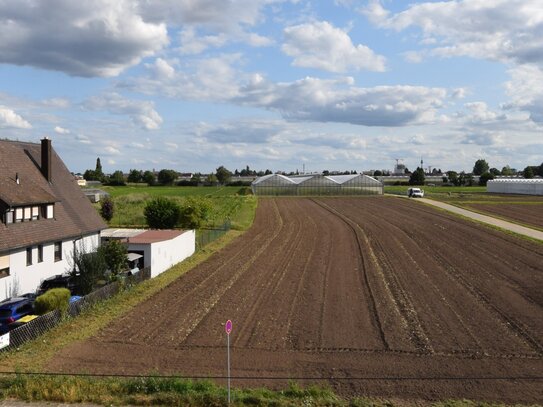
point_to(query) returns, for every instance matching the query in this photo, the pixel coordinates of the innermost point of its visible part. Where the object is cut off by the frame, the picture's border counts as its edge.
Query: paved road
(513, 227)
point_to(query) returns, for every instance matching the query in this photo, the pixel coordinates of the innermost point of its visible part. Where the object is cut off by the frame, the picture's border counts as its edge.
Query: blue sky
(275, 84)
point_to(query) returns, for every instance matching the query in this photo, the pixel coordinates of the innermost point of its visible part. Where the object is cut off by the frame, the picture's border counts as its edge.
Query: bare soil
(374, 296)
(529, 215)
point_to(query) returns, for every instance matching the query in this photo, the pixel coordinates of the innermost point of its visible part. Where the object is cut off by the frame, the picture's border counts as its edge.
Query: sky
(283, 85)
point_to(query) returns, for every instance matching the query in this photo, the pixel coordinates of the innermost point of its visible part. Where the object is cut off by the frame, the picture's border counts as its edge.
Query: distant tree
(406, 171)
(196, 178)
(465, 179)
(167, 177)
(161, 213)
(529, 172)
(211, 179)
(417, 177)
(116, 179)
(107, 208)
(326, 172)
(377, 173)
(115, 255)
(149, 178)
(494, 171)
(480, 167)
(540, 170)
(98, 169)
(484, 178)
(453, 177)
(135, 176)
(268, 172)
(508, 171)
(223, 175)
(90, 175)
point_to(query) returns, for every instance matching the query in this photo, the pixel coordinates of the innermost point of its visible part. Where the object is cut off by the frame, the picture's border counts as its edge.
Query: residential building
(44, 216)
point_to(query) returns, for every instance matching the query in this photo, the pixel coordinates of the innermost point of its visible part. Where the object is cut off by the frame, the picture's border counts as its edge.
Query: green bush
(55, 298)
(162, 213)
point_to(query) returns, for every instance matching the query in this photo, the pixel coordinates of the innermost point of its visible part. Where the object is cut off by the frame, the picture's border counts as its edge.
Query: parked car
(58, 281)
(13, 309)
(4, 329)
(415, 193)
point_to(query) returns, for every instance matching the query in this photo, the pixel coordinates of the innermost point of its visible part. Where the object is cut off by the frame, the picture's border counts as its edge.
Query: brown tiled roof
(153, 236)
(73, 214)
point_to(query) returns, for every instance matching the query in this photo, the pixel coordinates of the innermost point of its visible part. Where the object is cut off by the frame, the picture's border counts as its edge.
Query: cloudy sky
(279, 84)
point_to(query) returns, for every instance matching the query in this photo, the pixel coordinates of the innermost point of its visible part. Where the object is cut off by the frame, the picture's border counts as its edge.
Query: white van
(415, 193)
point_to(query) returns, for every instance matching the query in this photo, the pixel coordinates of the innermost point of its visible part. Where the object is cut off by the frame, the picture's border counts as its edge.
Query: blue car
(14, 308)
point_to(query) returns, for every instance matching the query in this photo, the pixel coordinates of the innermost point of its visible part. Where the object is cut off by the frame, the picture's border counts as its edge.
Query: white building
(520, 186)
(43, 217)
(161, 249)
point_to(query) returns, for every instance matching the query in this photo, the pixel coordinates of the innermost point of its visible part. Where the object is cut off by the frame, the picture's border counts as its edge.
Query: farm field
(523, 209)
(375, 296)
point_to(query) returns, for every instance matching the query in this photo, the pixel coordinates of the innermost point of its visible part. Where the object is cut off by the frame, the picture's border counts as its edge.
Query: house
(44, 216)
(157, 249)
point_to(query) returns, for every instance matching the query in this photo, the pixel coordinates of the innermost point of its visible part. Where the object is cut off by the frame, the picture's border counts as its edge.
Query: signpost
(228, 329)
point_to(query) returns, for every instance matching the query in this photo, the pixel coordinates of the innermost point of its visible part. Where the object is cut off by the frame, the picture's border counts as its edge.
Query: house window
(40, 253)
(58, 251)
(4, 272)
(9, 216)
(35, 212)
(29, 256)
(27, 213)
(50, 212)
(18, 214)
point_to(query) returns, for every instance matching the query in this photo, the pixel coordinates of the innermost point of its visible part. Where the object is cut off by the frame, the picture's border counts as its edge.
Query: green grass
(225, 202)
(171, 191)
(437, 191)
(185, 392)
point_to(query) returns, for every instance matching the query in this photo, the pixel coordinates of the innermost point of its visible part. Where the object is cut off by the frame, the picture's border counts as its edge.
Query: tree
(114, 253)
(167, 177)
(135, 176)
(417, 177)
(377, 173)
(89, 175)
(98, 169)
(87, 269)
(149, 177)
(116, 179)
(107, 208)
(484, 178)
(453, 177)
(480, 167)
(194, 212)
(540, 170)
(211, 179)
(494, 171)
(223, 175)
(508, 171)
(528, 172)
(162, 213)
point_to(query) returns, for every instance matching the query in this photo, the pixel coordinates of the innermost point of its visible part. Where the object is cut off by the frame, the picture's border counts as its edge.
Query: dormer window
(28, 213)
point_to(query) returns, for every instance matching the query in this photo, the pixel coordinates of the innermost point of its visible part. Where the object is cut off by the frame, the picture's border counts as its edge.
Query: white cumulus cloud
(323, 46)
(8, 118)
(142, 113)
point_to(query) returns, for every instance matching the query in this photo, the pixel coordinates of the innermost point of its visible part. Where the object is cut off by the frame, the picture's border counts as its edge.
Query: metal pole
(228, 357)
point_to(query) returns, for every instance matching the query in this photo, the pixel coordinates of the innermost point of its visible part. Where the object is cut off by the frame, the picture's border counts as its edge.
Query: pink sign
(228, 327)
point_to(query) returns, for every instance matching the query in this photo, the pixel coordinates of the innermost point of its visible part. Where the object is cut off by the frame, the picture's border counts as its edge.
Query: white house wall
(160, 256)
(26, 279)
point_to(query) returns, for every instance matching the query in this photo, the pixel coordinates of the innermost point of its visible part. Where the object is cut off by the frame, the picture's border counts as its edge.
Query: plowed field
(529, 215)
(376, 296)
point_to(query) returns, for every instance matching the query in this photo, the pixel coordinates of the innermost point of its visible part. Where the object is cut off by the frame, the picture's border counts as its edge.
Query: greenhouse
(316, 184)
(520, 186)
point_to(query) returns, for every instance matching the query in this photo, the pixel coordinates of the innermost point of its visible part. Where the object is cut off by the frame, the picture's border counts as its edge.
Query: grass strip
(185, 392)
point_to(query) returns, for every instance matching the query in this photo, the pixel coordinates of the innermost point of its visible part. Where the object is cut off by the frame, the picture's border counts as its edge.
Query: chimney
(46, 158)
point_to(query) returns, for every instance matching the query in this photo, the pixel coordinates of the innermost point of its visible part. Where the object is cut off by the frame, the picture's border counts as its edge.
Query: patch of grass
(186, 392)
(170, 190)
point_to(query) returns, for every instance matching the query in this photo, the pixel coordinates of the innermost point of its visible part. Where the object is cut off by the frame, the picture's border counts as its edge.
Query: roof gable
(73, 213)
